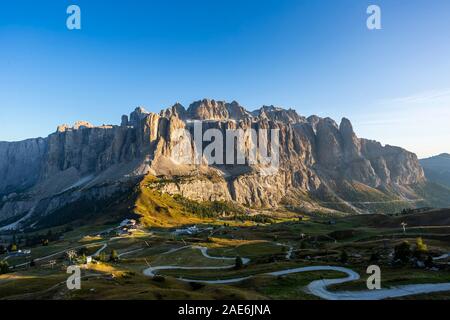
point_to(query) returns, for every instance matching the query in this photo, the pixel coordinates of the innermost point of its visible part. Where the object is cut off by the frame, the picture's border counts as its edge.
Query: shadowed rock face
(316, 155)
(21, 164)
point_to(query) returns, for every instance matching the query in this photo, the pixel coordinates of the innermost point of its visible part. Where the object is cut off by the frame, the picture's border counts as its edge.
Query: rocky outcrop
(199, 190)
(278, 114)
(316, 156)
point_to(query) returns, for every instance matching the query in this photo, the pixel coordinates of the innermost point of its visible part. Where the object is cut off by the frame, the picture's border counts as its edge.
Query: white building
(188, 231)
(127, 222)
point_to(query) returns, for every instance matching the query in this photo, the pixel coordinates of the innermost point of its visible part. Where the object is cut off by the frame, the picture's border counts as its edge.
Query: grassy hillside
(355, 197)
(439, 177)
(144, 200)
(437, 169)
(436, 217)
(89, 211)
(158, 209)
(435, 195)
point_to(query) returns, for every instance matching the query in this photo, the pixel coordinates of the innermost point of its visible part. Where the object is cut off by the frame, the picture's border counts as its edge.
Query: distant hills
(437, 169)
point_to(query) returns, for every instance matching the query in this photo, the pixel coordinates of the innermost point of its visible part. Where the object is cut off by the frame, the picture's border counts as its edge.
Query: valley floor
(286, 260)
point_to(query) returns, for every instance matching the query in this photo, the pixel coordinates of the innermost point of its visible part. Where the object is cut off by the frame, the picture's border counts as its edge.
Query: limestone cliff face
(316, 156)
(21, 164)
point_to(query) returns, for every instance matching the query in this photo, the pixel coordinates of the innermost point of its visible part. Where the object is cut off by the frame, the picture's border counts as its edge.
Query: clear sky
(315, 56)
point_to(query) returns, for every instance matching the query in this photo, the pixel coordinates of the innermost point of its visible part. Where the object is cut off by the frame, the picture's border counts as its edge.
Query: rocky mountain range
(324, 166)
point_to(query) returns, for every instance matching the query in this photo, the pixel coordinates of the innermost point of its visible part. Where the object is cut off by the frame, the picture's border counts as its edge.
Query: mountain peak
(76, 126)
(442, 156)
(279, 114)
(207, 109)
(137, 115)
(346, 127)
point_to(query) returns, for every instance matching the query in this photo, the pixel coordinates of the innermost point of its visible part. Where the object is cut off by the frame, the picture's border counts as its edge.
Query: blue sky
(315, 56)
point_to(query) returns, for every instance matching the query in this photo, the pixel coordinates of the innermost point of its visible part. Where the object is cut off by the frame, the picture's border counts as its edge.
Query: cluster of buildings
(190, 231)
(187, 231)
(127, 227)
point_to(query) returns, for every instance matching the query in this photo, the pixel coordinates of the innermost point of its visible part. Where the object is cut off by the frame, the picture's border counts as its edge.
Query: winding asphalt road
(97, 253)
(318, 287)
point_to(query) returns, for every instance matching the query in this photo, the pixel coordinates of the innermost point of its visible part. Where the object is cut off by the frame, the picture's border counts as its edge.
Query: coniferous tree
(114, 257)
(402, 252)
(238, 263)
(344, 256)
